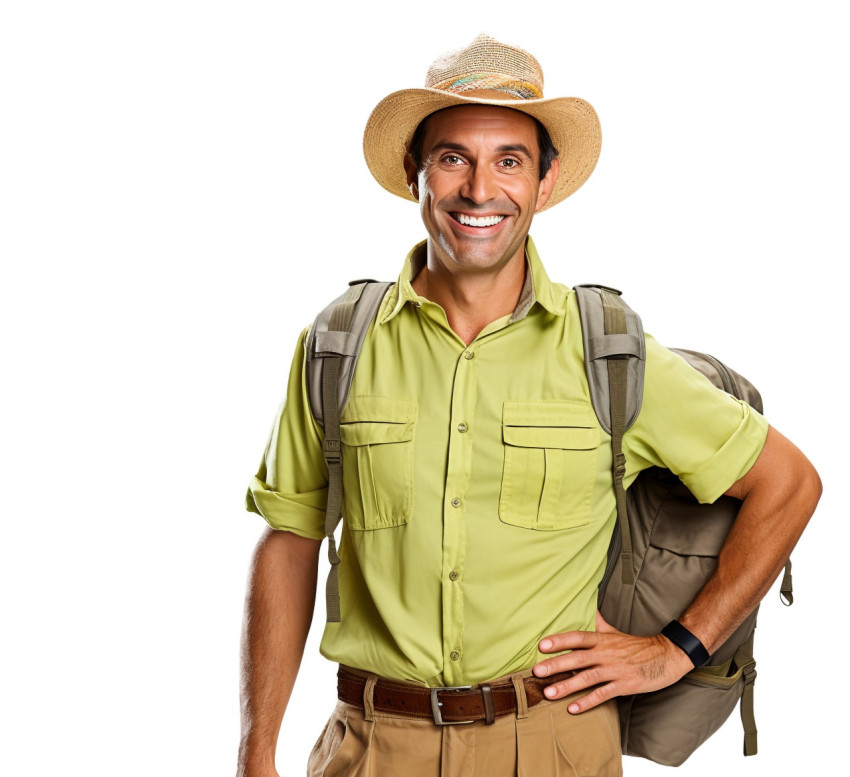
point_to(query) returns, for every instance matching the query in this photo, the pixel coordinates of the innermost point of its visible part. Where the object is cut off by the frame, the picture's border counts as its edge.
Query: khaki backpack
(665, 544)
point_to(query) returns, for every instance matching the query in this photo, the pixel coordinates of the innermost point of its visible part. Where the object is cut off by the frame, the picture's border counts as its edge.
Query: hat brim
(572, 124)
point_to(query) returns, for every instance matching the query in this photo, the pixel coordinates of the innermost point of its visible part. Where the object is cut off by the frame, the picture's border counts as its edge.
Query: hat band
(496, 82)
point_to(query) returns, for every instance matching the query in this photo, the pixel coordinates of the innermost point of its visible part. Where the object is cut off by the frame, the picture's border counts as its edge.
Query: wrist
(686, 642)
(255, 759)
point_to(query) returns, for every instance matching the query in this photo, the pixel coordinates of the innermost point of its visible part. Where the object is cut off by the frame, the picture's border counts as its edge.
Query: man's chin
(479, 260)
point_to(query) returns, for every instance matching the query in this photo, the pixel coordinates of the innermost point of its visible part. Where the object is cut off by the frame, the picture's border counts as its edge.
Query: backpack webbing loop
(615, 324)
(744, 658)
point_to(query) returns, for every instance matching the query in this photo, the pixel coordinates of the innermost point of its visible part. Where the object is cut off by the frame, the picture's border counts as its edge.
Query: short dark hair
(548, 152)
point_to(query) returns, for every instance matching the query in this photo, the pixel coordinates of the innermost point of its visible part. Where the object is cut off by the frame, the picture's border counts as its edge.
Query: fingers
(608, 665)
(581, 643)
(593, 699)
(569, 640)
(600, 691)
(568, 662)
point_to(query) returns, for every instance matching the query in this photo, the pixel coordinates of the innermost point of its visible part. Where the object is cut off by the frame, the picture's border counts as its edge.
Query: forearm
(779, 495)
(778, 502)
(278, 612)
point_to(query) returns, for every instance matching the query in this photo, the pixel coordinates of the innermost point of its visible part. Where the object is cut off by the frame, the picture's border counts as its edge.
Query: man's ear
(547, 184)
(412, 176)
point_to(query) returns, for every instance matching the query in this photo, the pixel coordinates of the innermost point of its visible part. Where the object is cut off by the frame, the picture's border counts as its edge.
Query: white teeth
(474, 221)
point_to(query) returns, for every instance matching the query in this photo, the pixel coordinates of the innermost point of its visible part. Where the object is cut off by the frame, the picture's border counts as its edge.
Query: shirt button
(462, 427)
(468, 354)
(453, 575)
(455, 502)
(454, 655)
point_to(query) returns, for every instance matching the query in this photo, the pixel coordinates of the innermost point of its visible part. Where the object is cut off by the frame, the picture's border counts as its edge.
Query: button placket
(458, 472)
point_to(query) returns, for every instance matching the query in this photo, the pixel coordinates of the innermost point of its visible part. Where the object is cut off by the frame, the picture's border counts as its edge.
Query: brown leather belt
(445, 706)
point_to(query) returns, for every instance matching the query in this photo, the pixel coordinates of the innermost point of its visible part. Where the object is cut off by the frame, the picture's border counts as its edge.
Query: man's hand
(617, 664)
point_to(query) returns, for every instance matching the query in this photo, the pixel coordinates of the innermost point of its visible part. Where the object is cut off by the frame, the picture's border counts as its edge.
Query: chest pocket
(550, 464)
(377, 461)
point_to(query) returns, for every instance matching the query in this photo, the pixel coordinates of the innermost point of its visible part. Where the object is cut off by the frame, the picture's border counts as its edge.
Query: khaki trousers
(544, 741)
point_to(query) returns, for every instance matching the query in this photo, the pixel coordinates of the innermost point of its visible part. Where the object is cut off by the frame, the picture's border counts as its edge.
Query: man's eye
(451, 159)
(510, 164)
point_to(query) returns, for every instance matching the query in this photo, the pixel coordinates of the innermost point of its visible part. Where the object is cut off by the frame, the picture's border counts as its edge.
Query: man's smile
(477, 221)
(466, 223)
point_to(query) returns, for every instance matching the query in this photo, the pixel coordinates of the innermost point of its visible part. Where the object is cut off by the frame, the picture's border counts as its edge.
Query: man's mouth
(477, 221)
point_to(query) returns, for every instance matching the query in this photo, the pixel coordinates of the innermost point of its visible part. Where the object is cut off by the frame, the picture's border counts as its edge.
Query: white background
(183, 187)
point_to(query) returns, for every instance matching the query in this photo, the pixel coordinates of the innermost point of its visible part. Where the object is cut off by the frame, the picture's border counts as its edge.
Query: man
(478, 502)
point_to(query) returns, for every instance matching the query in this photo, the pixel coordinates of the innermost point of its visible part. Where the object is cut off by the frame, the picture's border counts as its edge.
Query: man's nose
(480, 185)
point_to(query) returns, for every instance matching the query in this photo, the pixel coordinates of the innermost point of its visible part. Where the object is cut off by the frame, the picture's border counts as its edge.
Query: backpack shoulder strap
(333, 347)
(614, 360)
(337, 334)
(611, 331)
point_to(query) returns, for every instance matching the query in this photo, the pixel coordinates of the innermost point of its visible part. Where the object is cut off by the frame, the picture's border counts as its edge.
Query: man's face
(479, 185)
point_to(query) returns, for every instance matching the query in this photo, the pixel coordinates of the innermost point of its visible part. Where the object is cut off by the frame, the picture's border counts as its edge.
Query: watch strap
(687, 642)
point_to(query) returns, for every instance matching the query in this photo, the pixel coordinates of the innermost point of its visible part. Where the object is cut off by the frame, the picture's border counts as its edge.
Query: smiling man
(475, 170)
(478, 502)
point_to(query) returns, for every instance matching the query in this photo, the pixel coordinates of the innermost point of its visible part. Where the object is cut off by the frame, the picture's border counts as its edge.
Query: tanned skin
(278, 613)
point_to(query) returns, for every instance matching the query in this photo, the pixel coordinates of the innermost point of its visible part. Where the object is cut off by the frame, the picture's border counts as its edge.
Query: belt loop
(521, 698)
(489, 707)
(369, 698)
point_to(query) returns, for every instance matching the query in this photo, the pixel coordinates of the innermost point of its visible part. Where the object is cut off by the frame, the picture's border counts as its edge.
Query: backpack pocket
(377, 461)
(550, 449)
(666, 726)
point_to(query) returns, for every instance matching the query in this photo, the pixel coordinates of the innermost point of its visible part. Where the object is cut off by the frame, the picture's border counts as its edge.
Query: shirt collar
(536, 288)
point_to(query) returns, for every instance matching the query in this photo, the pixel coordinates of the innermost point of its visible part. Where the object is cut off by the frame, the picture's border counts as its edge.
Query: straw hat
(486, 67)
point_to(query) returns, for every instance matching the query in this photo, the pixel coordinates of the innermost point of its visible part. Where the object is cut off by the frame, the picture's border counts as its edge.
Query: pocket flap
(373, 420)
(571, 438)
(549, 424)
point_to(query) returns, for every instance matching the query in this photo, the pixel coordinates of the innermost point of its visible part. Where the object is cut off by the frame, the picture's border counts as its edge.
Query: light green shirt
(478, 499)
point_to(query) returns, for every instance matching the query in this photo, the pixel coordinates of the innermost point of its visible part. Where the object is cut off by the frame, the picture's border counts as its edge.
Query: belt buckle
(436, 704)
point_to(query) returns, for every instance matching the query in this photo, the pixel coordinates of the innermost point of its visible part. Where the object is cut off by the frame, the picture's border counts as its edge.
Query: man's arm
(278, 612)
(779, 495)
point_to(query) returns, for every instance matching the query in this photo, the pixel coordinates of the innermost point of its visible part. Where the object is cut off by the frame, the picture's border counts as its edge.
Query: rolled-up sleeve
(291, 487)
(707, 437)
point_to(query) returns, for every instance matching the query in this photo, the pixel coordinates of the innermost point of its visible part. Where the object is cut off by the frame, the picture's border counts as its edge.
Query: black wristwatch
(687, 642)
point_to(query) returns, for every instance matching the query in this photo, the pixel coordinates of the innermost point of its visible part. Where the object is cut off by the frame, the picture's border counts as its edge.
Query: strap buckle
(620, 465)
(332, 451)
(436, 704)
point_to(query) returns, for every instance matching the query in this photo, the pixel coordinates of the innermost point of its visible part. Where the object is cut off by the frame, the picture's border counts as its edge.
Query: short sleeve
(291, 487)
(707, 437)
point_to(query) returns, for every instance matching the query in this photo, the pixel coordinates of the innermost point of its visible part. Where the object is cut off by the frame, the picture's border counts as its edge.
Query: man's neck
(472, 300)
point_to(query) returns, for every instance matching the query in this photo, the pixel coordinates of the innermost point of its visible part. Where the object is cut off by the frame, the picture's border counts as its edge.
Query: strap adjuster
(436, 704)
(620, 465)
(332, 450)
